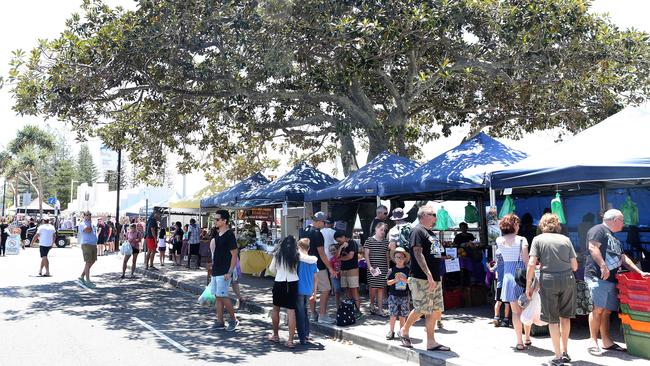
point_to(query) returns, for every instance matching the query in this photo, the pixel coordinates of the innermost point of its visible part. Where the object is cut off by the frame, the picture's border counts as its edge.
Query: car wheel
(61, 242)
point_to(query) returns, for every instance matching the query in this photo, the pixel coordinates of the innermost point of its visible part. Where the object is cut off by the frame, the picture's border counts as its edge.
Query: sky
(26, 21)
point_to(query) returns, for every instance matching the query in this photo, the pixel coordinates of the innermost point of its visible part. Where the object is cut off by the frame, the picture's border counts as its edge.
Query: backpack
(345, 313)
(405, 236)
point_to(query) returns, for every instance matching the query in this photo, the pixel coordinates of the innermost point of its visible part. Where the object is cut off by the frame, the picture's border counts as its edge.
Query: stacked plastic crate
(634, 293)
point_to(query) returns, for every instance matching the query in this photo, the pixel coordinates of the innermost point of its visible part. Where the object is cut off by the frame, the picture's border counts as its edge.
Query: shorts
(398, 306)
(603, 293)
(162, 249)
(336, 285)
(44, 251)
(176, 247)
(285, 294)
(497, 296)
(135, 250)
(151, 244)
(89, 252)
(425, 301)
(350, 278)
(324, 280)
(220, 286)
(194, 249)
(558, 295)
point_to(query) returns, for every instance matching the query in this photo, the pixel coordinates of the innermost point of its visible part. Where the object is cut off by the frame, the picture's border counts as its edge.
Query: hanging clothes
(508, 207)
(443, 220)
(557, 209)
(471, 213)
(630, 212)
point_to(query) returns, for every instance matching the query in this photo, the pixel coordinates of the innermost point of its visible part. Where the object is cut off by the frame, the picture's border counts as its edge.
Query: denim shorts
(220, 286)
(603, 293)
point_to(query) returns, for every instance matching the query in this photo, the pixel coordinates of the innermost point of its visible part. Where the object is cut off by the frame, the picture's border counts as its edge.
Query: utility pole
(119, 184)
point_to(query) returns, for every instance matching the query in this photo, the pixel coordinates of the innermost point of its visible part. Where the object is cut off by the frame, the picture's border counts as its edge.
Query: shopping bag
(126, 249)
(207, 297)
(532, 312)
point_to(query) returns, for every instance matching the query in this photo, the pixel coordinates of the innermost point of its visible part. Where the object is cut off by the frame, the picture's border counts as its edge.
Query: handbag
(520, 273)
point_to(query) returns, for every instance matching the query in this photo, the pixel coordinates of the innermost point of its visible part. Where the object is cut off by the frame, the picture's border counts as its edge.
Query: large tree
(86, 168)
(223, 82)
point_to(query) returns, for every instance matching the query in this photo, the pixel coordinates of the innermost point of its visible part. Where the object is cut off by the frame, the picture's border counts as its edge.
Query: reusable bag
(126, 249)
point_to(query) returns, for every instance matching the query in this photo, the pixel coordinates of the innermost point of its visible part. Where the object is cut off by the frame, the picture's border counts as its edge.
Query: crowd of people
(402, 264)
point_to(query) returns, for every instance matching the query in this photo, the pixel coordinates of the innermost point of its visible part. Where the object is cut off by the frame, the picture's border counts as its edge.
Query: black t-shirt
(178, 235)
(23, 232)
(463, 238)
(4, 235)
(426, 239)
(315, 240)
(224, 243)
(610, 249)
(103, 234)
(400, 288)
(354, 262)
(151, 223)
(111, 225)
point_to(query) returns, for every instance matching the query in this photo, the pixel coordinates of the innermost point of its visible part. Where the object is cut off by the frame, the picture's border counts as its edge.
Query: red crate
(634, 282)
(634, 304)
(453, 298)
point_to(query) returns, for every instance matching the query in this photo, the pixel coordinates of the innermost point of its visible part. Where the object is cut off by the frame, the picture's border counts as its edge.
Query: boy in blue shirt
(307, 287)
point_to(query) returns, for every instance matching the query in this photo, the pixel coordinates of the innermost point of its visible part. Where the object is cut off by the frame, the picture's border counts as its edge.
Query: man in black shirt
(325, 270)
(424, 283)
(600, 274)
(224, 259)
(382, 216)
(349, 267)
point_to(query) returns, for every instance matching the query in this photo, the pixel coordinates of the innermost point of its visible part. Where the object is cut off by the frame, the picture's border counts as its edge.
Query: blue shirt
(87, 238)
(306, 273)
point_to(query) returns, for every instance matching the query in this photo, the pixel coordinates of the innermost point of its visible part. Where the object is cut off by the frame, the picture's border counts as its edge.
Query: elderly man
(424, 283)
(381, 216)
(600, 274)
(88, 241)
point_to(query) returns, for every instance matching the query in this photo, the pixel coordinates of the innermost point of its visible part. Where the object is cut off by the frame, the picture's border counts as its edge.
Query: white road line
(184, 330)
(159, 334)
(84, 286)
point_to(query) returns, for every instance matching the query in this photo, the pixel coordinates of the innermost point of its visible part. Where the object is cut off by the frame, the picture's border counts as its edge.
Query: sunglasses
(430, 214)
(400, 257)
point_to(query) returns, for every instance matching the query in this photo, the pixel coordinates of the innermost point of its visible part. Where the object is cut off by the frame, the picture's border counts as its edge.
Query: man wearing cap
(398, 235)
(425, 281)
(45, 235)
(325, 270)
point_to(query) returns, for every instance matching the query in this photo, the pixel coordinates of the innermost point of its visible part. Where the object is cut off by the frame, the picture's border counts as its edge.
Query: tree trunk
(348, 153)
(398, 118)
(377, 142)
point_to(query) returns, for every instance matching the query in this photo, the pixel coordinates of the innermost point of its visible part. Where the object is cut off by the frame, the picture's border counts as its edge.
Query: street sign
(51, 200)
(27, 199)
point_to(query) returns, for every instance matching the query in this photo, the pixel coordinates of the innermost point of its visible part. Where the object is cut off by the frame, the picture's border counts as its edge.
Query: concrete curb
(410, 355)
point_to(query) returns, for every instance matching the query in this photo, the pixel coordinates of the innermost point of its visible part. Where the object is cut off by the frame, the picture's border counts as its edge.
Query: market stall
(458, 174)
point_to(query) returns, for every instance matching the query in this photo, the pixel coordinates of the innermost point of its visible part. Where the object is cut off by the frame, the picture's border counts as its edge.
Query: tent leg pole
(482, 221)
(603, 199)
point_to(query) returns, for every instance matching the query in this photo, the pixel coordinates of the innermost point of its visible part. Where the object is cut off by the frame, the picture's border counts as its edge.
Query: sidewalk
(468, 331)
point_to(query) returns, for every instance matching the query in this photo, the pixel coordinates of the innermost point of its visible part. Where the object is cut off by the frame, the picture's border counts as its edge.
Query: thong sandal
(519, 347)
(528, 343)
(615, 347)
(406, 341)
(439, 347)
(289, 345)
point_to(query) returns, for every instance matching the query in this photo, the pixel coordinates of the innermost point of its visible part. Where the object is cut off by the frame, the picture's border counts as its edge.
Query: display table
(254, 261)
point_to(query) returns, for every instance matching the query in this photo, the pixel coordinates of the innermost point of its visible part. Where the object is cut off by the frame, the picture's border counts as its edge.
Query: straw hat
(400, 250)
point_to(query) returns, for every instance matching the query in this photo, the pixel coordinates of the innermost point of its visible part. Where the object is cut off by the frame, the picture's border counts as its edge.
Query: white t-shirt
(162, 243)
(46, 232)
(328, 236)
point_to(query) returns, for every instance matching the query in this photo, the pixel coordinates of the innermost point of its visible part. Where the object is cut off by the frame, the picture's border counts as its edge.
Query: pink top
(134, 238)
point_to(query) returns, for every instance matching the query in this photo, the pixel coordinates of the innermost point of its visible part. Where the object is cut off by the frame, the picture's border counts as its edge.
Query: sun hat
(400, 250)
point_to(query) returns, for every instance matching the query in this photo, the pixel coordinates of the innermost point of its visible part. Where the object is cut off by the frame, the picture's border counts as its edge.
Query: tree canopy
(222, 83)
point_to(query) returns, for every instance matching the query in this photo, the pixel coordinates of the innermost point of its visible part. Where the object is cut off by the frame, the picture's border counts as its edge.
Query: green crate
(634, 314)
(637, 342)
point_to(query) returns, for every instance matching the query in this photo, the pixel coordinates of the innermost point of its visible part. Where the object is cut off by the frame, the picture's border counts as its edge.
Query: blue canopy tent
(228, 197)
(613, 150)
(462, 168)
(290, 188)
(364, 183)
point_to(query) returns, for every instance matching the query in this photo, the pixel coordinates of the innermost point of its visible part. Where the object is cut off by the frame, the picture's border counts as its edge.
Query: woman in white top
(285, 288)
(514, 250)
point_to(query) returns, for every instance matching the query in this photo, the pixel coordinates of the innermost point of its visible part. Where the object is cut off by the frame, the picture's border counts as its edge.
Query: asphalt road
(56, 321)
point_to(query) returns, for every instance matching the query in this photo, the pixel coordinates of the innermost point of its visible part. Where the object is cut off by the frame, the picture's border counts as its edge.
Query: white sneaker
(325, 319)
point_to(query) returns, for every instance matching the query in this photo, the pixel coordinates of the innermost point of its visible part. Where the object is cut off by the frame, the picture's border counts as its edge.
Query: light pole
(4, 191)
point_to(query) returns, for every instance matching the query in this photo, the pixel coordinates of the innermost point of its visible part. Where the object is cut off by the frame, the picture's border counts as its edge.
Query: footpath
(469, 333)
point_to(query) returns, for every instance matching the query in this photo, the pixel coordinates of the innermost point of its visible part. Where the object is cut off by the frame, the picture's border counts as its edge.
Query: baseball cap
(320, 216)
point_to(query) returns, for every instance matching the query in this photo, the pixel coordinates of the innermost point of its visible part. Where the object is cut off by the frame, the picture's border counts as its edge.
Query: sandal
(273, 339)
(615, 347)
(528, 343)
(439, 347)
(519, 347)
(289, 345)
(406, 341)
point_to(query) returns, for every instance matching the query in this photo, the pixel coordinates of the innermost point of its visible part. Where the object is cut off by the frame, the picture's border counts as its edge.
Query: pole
(119, 184)
(4, 191)
(146, 217)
